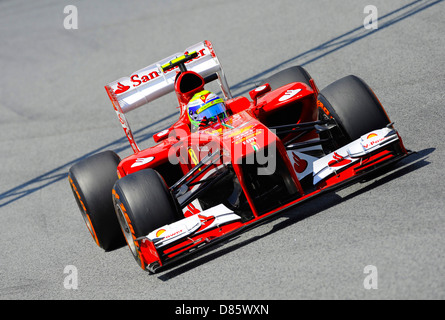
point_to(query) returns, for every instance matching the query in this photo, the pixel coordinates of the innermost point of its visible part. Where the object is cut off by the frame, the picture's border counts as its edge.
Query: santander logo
(338, 161)
(145, 75)
(121, 88)
(299, 164)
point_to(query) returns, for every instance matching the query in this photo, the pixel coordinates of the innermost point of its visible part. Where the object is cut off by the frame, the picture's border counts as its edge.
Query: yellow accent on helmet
(208, 105)
(199, 95)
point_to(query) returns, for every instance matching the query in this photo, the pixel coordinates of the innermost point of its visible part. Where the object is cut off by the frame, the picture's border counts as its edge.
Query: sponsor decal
(302, 163)
(173, 234)
(139, 78)
(210, 46)
(204, 97)
(248, 137)
(205, 221)
(289, 94)
(160, 232)
(191, 210)
(299, 164)
(142, 161)
(121, 88)
(373, 142)
(338, 161)
(322, 107)
(239, 131)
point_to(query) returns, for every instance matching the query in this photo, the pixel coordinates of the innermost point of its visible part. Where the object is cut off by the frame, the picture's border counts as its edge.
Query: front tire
(355, 108)
(92, 181)
(142, 203)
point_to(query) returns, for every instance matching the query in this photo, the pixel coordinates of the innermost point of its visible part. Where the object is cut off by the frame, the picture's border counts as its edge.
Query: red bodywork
(243, 111)
(248, 119)
(249, 130)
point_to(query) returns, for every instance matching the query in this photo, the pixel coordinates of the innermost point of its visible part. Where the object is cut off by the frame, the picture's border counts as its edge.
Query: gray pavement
(55, 111)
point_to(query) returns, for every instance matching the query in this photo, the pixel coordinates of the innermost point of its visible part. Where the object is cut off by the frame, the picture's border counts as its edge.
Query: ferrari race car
(286, 144)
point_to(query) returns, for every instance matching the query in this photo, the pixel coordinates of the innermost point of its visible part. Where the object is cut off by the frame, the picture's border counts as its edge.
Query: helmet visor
(218, 109)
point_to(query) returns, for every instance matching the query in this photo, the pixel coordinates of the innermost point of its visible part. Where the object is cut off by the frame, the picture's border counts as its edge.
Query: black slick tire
(92, 182)
(354, 106)
(143, 204)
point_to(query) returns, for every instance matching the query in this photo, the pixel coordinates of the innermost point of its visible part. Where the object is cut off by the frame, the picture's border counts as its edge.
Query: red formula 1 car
(286, 144)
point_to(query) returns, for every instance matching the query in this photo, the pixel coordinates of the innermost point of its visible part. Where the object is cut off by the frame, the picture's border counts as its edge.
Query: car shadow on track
(414, 162)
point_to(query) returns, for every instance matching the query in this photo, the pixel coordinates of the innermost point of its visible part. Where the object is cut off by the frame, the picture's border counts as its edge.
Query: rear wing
(151, 83)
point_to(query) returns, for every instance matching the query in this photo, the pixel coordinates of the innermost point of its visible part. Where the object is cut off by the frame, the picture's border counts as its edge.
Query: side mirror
(161, 135)
(257, 92)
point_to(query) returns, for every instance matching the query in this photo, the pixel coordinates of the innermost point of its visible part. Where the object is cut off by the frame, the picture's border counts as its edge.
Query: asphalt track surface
(54, 111)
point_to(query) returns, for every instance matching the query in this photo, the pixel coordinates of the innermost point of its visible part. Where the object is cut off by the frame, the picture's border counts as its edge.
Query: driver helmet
(204, 108)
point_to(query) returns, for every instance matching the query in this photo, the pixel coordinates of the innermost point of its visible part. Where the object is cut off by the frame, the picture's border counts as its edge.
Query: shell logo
(160, 232)
(371, 135)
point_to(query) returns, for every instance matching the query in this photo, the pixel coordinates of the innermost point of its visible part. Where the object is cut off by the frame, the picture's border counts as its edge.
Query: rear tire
(142, 203)
(355, 108)
(92, 181)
